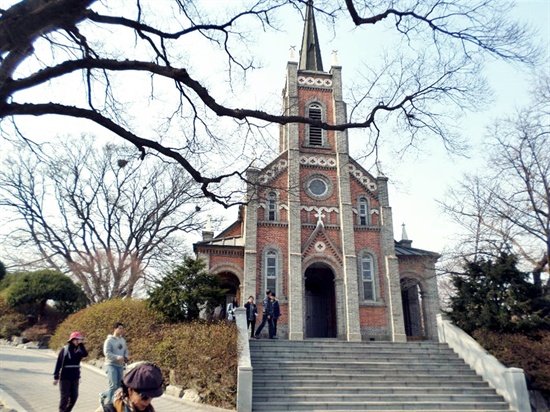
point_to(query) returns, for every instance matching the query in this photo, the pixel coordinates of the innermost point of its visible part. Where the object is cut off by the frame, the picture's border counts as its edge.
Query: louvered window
(315, 133)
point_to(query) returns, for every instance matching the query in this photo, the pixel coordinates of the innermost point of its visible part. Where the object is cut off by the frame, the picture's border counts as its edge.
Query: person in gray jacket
(116, 356)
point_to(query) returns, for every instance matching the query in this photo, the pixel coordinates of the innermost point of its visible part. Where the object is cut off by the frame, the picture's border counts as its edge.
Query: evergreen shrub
(11, 322)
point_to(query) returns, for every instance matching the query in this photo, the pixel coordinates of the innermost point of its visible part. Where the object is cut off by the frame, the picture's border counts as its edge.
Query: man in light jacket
(116, 356)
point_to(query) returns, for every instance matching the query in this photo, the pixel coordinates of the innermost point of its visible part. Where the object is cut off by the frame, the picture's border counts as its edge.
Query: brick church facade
(317, 229)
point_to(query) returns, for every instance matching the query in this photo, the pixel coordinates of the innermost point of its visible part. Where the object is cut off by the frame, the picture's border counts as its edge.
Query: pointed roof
(310, 54)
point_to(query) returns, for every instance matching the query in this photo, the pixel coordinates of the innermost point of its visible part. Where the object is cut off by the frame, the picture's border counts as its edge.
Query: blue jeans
(114, 373)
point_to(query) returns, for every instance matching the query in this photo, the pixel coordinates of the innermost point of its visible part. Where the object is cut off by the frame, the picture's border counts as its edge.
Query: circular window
(318, 187)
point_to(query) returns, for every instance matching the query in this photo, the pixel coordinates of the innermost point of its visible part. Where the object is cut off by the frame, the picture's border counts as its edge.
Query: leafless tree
(121, 49)
(99, 213)
(508, 203)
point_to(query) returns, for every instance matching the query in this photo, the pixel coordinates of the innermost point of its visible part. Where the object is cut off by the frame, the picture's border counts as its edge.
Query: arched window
(271, 271)
(363, 212)
(272, 206)
(367, 278)
(315, 137)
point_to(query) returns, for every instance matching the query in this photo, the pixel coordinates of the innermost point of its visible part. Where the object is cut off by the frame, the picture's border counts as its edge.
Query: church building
(317, 229)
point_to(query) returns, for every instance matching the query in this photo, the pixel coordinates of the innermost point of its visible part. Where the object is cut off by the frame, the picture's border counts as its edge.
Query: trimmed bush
(202, 356)
(528, 352)
(97, 321)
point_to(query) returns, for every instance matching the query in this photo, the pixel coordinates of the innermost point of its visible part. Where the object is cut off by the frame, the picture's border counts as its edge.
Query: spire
(405, 241)
(404, 233)
(310, 54)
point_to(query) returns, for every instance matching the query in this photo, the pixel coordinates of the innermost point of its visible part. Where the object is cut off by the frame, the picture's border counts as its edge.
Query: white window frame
(365, 279)
(363, 216)
(272, 206)
(271, 271)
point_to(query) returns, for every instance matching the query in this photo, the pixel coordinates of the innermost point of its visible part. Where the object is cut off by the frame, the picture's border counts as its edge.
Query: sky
(416, 180)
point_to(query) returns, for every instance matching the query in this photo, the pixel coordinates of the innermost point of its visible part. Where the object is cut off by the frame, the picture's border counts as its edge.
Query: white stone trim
(318, 161)
(314, 81)
(272, 172)
(362, 178)
(228, 267)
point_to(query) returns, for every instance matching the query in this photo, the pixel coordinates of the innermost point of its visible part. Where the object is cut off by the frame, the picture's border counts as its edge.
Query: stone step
(357, 372)
(355, 390)
(368, 382)
(276, 406)
(361, 365)
(389, 347)
(409, 357)
(389, 398)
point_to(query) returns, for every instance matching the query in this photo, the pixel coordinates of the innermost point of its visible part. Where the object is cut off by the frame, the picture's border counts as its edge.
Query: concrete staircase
(331, 375)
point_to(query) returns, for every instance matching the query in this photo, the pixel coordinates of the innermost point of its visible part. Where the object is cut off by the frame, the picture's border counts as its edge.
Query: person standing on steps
(116, 356)
(267, 316)
(67, 371)
(251, 314)
(276, 314)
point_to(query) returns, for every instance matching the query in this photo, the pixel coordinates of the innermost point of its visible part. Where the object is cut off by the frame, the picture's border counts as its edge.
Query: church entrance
(320, 302)
(413, 312)
(230, 282)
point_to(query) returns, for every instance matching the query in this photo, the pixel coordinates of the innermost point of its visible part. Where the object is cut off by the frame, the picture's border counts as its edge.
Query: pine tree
(495, 295)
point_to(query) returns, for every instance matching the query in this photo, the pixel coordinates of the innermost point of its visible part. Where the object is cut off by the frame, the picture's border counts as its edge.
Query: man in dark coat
(276, 314)
(251, 314)
(267, 316)
(67, 371)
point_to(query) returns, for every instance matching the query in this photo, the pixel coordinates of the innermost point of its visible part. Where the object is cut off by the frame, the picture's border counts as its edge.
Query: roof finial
(404, 233)
(292, 57)
(335, 58)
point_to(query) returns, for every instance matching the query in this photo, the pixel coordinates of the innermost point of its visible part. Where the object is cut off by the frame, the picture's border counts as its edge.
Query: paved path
(26, 377)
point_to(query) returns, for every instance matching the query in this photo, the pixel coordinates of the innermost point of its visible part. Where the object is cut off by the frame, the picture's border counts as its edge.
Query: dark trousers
(275, 326)
(69, 394)
(269, 323)
(252, 325)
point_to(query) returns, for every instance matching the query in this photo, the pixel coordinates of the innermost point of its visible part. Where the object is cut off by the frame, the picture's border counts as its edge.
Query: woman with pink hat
(67, 371)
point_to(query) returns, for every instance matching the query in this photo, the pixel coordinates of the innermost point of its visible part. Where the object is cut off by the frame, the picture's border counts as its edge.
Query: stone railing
(244, 372)
(508, 382)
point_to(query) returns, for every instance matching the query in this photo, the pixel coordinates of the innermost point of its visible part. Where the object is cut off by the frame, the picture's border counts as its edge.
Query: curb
(9, 402)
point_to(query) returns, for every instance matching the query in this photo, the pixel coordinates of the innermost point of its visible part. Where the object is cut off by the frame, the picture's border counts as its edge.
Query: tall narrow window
(315, 132)
(272, 206)
(367, 277)
(271, 271)
(363, 212)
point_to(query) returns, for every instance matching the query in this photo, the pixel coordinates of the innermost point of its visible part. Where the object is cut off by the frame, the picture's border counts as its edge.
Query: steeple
(310, 54)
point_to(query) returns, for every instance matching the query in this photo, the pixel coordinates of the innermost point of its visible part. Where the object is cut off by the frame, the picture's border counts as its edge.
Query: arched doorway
(413, 311)
(231, 283)
(320, 302)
